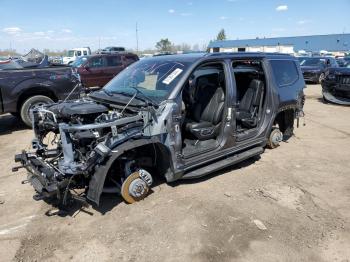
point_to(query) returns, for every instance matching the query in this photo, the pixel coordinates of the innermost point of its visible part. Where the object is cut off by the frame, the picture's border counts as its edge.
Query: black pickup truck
(23, 87)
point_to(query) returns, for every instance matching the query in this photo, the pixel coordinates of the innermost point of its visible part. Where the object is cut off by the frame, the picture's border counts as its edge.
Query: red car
(98, 70)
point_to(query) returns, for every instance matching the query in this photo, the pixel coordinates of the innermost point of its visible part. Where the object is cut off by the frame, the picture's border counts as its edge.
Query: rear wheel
(275, 138)
(30, 104)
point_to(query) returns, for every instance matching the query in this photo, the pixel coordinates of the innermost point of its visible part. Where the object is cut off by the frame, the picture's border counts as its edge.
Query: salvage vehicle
(24, 88)
(172, 117)
(336, 85)
(314, 68)
(98, 70)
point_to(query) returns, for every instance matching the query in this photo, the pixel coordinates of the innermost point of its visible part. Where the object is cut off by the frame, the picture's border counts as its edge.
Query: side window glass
(113, 61)
(285, 72)
(96, 62)
(130, 59)
(85, 52)
(78, 53)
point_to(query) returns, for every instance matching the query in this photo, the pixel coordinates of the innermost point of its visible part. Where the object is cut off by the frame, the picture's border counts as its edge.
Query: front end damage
(336, 86)
(72, 142)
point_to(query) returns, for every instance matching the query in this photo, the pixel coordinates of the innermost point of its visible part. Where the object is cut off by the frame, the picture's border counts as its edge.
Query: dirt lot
(292, 204)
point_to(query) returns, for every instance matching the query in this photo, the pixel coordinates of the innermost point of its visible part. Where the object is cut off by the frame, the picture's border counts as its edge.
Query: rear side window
(113, 61)
(85, 52)
(129, 59)
(285, 72)
(96, 62)
(78, 53)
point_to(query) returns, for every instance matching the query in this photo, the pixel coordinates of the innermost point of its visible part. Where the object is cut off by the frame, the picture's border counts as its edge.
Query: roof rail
(245, 53)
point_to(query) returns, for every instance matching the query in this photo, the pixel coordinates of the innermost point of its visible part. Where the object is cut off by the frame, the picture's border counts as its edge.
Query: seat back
(209, 102)
(213, 111)
(252, 96)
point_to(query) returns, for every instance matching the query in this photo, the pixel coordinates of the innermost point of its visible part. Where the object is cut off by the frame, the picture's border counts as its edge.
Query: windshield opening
(70, 53)
(154, 78)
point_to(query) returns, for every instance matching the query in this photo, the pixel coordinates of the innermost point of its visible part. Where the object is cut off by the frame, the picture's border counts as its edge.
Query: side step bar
(231, 160)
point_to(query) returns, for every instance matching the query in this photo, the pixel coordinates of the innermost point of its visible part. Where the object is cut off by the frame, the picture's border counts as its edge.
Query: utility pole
(10, 48)
(137, 39)
(99, 43)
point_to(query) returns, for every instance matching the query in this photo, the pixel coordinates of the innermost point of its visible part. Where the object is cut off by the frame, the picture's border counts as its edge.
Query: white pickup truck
(74, 53)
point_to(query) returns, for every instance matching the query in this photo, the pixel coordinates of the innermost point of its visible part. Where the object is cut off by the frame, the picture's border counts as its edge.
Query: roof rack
(246, 53)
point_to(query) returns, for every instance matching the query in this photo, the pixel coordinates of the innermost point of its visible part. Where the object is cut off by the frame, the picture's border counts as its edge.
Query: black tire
(321, 78)
(30, 103)
(16, 114)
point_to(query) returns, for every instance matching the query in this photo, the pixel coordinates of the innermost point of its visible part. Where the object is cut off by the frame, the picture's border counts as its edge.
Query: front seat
(206, 112)
(247, 112)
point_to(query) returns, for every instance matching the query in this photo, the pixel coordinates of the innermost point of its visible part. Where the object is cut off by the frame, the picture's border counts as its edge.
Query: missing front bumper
(41, 175)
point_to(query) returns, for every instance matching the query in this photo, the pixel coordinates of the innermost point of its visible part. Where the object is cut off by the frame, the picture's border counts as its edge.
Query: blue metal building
(312, 43)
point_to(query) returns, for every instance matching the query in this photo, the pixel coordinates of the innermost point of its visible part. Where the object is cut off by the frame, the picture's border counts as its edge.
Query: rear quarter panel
(288, 95)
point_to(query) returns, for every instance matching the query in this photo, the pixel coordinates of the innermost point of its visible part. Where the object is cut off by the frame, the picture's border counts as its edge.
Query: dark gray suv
(176, 117)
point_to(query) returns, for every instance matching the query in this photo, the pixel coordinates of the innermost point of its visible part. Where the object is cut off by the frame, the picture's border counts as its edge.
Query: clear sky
(63, 24)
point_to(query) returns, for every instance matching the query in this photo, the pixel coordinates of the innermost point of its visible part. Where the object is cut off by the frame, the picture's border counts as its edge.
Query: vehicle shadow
(9, 124)
(109, 201)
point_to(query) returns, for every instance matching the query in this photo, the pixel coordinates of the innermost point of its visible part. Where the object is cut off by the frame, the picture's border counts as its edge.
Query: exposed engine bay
(71, 140)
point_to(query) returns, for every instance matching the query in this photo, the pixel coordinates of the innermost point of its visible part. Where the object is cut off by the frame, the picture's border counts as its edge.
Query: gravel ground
(292, 204)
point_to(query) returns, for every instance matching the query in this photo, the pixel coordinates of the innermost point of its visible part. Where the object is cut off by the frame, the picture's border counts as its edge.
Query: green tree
(221, 35)
(164, 45)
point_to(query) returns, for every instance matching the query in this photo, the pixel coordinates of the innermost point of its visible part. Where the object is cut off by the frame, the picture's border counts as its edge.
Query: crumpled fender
(98, 179)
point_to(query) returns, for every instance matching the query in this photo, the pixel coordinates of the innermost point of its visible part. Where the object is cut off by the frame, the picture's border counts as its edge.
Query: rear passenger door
(114, 66)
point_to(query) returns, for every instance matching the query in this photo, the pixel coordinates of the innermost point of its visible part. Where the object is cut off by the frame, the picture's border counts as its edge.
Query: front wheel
(30, 104)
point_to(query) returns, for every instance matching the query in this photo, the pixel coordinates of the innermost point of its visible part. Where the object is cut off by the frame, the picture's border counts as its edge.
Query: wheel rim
(33, 106)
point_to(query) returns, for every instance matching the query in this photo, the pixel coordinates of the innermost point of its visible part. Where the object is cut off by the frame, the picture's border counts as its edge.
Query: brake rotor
(275, 138)
(134, 187)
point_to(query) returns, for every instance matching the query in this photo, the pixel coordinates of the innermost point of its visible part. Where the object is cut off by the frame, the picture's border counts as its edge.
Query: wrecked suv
(177, 117)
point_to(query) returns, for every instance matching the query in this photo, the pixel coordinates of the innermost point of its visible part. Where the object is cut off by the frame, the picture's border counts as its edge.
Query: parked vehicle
(98, 70)
(74, 53)
(112, 50)
(314, 68)
(24, 88)
(336, 85)
(178, 117)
